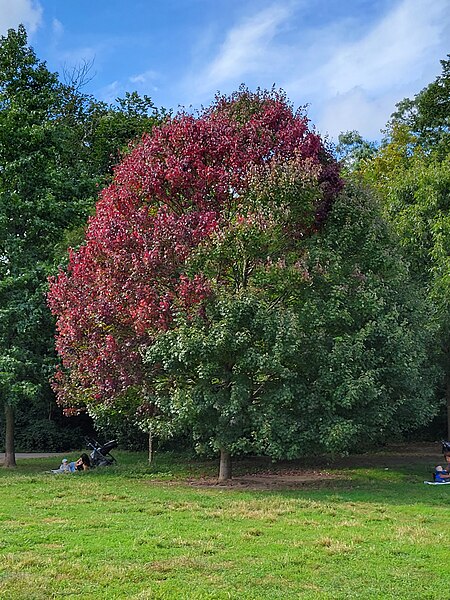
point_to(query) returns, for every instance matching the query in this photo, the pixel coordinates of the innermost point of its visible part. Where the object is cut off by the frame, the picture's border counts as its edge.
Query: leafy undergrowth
(134, 531)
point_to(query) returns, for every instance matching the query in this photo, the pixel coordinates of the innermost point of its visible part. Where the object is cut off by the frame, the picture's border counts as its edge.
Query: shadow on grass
(393, 477)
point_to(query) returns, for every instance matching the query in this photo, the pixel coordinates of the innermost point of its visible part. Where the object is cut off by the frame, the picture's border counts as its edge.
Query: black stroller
(100, 455)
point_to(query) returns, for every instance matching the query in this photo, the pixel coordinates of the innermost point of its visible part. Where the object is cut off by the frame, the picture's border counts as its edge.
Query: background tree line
(410, 172)
(58, 146)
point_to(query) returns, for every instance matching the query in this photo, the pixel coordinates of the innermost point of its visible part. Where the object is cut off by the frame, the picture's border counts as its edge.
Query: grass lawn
(137, 532)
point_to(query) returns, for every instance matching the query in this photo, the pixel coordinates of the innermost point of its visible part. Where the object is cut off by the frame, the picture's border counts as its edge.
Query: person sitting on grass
(442, 475)
(82, 464)
(65, 467)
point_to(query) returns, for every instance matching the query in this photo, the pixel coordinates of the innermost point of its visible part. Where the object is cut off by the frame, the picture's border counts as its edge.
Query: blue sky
(349, 60)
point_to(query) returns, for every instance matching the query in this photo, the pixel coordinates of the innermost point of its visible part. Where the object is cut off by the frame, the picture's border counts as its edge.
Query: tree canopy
(187, 196)
(229, 288)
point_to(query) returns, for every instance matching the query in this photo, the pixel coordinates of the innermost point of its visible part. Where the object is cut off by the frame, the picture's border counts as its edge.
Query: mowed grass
(139, 532)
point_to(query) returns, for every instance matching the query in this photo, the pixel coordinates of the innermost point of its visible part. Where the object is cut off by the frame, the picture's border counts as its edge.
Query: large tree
(193, 180)
(41, 192)
(223, 288)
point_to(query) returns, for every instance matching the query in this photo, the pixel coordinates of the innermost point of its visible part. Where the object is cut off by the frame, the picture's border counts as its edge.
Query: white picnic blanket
(437, 482)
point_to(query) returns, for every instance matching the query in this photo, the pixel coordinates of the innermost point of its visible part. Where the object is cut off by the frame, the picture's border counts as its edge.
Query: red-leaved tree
(178, 189)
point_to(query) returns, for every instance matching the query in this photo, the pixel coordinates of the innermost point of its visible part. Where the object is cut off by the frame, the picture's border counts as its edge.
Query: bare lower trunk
(150, 447)
(10, 453)
(447, 393)
(225, 465)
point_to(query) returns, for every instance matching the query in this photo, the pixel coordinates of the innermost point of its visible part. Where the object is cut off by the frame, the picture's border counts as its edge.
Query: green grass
(137, 532)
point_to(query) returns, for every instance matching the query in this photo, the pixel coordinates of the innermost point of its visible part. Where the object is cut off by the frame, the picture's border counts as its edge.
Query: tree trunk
(447, 393)
(225, 465)
(10, 453)
(150, 447)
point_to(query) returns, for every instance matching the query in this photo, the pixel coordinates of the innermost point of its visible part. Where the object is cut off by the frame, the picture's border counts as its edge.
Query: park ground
(361, 527)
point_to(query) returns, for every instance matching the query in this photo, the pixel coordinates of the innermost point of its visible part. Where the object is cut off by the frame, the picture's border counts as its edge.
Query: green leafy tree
(41, 193)
(368, 368)
(411, 173)
(114, 129)
(353, 149)
(416, 196)
(427, 115)
(329, 354)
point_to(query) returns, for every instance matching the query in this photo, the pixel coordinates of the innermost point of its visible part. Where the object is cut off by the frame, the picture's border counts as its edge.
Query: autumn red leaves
(192, 181)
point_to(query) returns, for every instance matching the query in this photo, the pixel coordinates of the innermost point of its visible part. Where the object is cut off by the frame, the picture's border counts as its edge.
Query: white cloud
(57, 28)
(393, 52)
(351, 70)
(248, 49)
(144, 78)
(358, 83)
(355, 109)
(16, 12)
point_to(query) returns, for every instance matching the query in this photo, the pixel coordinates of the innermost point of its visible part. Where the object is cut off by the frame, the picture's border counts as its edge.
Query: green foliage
(121, 422)
(418, 204)
(43, 435)
(110, 130)
(220, 376)
(411, 174)
(353, 149)
(330, 353)
(42, 191)
(366, 334)
(427, 115)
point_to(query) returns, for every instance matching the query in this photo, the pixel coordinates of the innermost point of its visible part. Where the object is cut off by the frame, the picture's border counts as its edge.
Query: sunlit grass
(135, 531)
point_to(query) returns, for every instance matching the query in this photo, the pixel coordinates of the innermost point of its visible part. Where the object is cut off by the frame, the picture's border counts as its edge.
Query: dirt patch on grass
(275, 480)
(318, 472)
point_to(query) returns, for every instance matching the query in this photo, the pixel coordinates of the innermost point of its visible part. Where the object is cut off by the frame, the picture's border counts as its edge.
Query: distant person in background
(442, 475)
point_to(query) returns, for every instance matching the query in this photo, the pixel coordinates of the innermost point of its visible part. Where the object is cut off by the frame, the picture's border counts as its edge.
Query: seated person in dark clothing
(83, 463)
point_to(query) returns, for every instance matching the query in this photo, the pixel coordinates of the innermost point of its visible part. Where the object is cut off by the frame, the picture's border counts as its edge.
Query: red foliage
(175, 189)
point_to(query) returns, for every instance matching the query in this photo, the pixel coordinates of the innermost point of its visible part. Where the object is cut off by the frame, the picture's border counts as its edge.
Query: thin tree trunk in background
(447, 393)
(150, 447)
(225, 465)
(10, 453)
